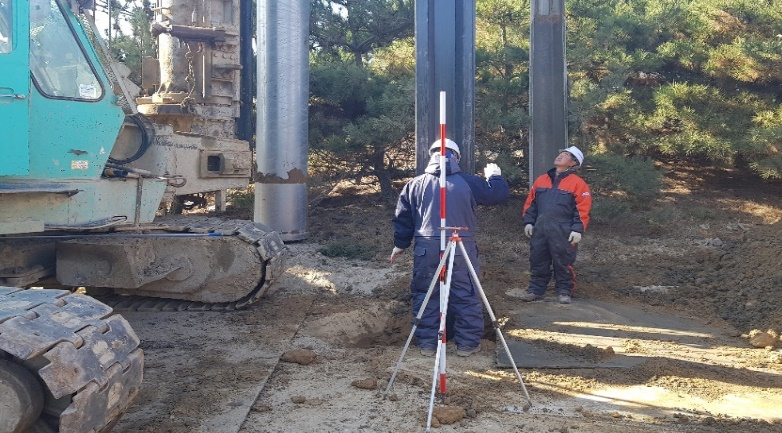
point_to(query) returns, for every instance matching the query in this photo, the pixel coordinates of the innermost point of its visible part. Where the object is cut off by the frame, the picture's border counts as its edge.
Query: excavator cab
(61, 119)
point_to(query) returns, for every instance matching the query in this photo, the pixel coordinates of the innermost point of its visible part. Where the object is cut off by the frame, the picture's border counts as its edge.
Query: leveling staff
(418, 217)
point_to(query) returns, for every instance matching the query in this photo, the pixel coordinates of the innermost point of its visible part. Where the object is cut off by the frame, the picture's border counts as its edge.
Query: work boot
(428, 352)
(564, 299)
(529, 297)
(467, 352)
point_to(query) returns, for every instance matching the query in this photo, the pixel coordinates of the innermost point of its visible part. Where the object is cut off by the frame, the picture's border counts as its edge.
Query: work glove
(528, 230)
(491, 170)
(575, 237)
(397, 251)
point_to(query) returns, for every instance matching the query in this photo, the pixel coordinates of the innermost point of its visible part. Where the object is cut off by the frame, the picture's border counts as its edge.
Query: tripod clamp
(455, 235)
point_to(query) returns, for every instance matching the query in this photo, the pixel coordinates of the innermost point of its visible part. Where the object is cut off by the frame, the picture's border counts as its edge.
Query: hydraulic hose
(147, 137)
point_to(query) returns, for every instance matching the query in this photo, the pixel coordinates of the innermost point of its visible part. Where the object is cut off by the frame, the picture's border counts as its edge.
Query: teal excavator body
(87, 170)
(89, 162)
(61, 119)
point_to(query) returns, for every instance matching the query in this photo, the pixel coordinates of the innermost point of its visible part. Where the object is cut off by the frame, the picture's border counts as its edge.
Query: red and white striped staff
(443, 292)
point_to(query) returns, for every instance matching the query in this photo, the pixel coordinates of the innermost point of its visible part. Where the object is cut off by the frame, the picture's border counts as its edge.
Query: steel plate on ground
(592, 334)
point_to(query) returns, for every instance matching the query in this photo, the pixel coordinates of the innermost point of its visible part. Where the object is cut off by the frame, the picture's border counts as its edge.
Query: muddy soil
(659, 337)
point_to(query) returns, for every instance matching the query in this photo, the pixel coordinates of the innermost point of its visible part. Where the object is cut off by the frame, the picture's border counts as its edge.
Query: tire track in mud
(205, 370)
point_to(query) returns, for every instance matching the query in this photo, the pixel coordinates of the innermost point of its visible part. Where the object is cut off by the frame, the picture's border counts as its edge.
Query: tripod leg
(445, 294)
(494, 323)
(440, 350)
(418, 318)
(439, 363)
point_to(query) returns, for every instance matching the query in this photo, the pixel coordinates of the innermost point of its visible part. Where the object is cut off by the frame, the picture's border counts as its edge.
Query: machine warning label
(80, 165)
(88, 91)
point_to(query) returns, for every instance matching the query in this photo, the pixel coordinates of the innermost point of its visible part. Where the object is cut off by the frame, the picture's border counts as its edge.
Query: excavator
(91, 167)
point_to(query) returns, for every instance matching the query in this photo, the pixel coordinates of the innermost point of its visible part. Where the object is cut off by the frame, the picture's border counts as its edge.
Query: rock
(449, 414)
(299, 356)
(298, 399)
(262, 408)
(762, 339)
(365, 383)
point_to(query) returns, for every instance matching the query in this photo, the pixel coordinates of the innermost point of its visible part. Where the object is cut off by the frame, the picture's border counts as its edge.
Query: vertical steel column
(445, 61)
(244, 129)
(282, 105)
(548, 85)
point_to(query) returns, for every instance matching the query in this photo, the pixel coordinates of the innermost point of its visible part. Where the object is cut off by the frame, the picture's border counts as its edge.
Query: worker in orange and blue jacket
(555, 216)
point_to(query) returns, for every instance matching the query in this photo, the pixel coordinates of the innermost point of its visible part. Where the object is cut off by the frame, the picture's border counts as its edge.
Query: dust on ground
(657, 338)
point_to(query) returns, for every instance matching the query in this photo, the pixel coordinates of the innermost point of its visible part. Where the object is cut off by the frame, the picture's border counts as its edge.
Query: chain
(188, 102)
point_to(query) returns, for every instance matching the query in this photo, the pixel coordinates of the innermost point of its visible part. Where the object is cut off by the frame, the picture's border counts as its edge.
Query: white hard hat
(573, 150)
(449, 144)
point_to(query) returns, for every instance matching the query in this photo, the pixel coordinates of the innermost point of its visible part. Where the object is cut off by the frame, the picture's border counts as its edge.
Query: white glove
(491, 170)
(397, 251)
(575, 237)
(528, 230)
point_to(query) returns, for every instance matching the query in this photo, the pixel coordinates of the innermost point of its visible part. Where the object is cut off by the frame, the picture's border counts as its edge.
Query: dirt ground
(658, 337)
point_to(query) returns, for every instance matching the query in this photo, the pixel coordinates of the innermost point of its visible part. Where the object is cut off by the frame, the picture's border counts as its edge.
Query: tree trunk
(383, 175)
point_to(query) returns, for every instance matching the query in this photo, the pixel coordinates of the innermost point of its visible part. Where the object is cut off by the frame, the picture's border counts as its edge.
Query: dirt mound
(739, 278)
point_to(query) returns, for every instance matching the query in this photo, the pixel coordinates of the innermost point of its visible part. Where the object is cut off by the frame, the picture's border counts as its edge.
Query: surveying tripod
(448, 255)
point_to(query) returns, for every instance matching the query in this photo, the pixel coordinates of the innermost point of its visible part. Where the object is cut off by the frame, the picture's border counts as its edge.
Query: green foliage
(698, 120)
(636, 179)
(362, 89)
(648, 79)
(352, 29)
(662, 216)
(687, 54)
(763, 149)
(502, 85)
(242, 199)
(129, 49)
(396, 61)
(359, 122)
(610, 209)
(679, 79)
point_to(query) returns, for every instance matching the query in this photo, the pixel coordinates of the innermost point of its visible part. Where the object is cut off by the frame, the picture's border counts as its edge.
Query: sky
(102, 22)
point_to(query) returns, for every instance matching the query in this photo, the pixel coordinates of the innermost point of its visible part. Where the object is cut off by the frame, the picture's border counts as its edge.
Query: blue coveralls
(418, 216)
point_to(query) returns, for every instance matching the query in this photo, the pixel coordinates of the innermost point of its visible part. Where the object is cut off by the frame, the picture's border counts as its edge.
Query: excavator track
(264, 245)
(86, 357)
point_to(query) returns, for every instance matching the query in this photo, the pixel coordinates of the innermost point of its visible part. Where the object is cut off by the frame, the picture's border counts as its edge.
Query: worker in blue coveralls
(418, 217)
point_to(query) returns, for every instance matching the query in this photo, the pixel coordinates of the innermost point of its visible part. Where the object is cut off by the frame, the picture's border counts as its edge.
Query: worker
(555, 215)
(417, 218)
